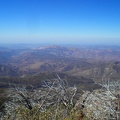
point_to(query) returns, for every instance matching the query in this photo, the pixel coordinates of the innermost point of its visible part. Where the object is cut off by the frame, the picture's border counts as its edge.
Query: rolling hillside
(89, 63)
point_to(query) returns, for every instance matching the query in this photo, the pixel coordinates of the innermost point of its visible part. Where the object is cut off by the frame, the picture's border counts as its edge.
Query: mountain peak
(50, 47)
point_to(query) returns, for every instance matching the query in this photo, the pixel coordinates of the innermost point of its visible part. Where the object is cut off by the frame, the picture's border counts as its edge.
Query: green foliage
(2, 99)
(22, 113)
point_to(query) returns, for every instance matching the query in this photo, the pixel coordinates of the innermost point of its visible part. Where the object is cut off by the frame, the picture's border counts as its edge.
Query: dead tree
(53, 93)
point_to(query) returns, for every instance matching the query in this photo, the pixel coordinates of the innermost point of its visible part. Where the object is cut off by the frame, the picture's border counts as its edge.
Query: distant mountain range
(88, 63)
(7, 70)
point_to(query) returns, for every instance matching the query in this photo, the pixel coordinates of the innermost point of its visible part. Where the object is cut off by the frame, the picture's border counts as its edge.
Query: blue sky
(60, 21)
